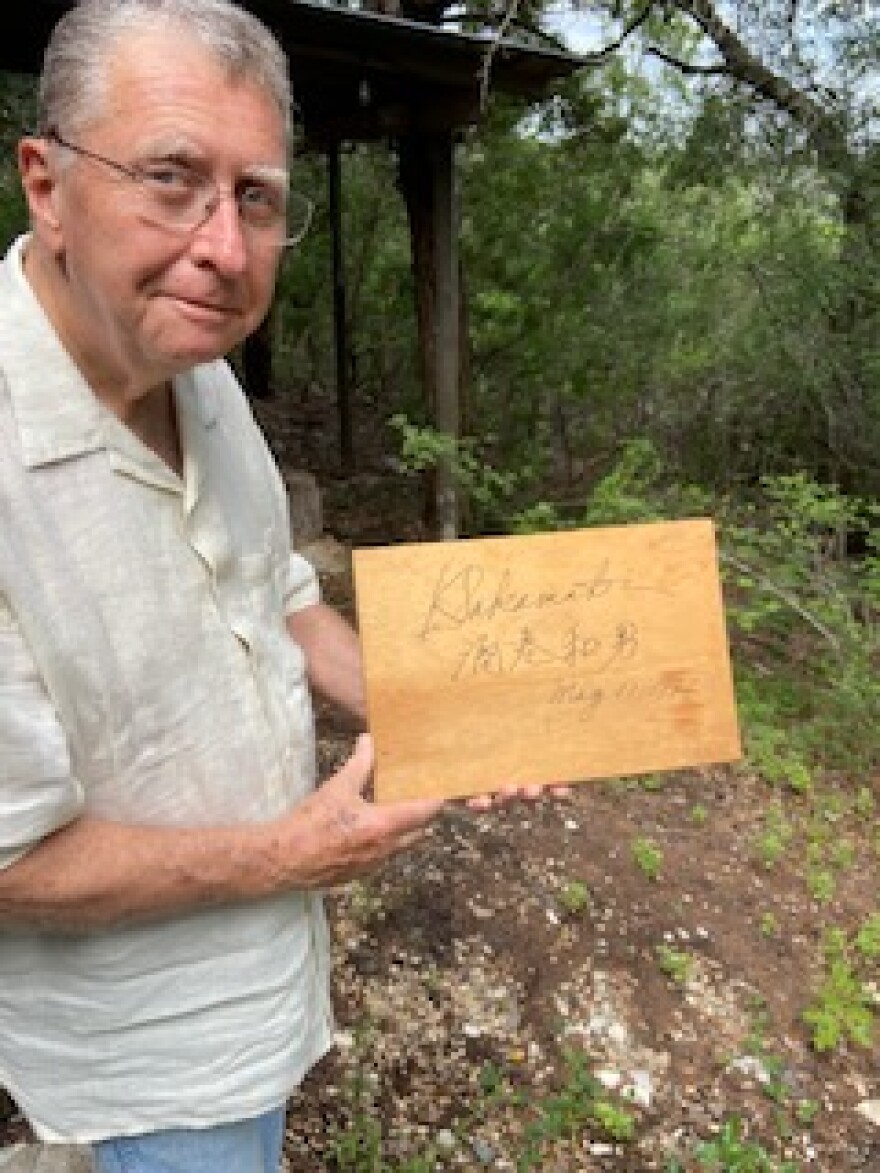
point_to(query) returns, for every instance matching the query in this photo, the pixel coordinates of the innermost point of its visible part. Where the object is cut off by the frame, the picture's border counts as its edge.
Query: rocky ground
(616, 981)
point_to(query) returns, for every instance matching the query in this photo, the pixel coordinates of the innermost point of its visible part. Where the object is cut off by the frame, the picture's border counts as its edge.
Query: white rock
(640, 1089)
(870, 1109)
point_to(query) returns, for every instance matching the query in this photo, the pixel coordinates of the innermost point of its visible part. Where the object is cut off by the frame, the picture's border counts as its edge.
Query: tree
(798, 76)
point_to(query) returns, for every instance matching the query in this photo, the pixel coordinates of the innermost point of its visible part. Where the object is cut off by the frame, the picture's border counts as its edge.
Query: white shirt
(146, 676)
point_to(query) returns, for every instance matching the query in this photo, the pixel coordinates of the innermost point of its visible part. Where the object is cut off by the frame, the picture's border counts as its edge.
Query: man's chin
(195, 351)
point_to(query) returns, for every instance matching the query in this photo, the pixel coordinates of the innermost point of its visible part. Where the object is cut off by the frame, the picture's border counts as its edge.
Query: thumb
(358, 769)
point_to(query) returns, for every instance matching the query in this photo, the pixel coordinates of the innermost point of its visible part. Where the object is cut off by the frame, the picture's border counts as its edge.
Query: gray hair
(73, 80)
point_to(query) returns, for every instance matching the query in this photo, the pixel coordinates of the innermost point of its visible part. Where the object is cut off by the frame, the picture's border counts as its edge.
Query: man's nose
(220, 237)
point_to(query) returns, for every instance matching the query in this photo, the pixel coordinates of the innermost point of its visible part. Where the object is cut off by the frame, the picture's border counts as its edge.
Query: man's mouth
(202, 307)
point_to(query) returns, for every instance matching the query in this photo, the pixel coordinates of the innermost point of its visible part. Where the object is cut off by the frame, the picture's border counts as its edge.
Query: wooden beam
(446, 325)
(340, 323)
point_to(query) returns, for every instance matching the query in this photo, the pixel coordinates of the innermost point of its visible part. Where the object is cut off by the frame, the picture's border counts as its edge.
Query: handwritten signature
(465, 595)
(487, 655)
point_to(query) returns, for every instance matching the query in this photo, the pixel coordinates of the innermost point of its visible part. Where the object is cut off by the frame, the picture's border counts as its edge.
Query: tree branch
(719, 70)
(782, 594)
(486, 68)
(739, 63)
(629, 29)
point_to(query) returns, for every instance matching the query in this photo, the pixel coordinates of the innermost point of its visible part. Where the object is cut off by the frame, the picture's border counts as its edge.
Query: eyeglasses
(177, 196)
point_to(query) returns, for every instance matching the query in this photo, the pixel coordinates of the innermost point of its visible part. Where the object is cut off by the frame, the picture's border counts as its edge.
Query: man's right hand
(336, 834)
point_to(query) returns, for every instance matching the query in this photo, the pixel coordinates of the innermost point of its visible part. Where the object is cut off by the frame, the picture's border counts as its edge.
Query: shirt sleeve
(302, 585)
(38, 793)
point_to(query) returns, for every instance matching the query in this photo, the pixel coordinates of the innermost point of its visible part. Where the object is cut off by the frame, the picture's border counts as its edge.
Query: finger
(413, 813)
(481, 803)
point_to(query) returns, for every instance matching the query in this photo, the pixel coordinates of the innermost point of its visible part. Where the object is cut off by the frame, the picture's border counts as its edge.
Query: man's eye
(261, 198)
(175, 180)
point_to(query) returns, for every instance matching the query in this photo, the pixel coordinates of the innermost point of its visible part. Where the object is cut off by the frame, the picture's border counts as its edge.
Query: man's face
(144, 299)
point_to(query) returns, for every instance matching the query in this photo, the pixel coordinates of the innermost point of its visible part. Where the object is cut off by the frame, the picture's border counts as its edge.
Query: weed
(648, 857)
(769, 925)
(579, 1104)
(699, 814)
(613, 1121)
(867, 940)
(773, 841)
(730, 1152)
(821, 884)
(678, 966)
(575, 897)
(806, 1112)
(864, 804)
(652, 783)
(842, 1009)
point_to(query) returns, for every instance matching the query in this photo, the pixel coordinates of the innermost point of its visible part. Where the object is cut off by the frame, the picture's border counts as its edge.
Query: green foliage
(867, 939)
(731, 1152)
(648, 857)
(842, 1010)
(807, 614)
(676, 964)
(575, 898)
(580, 1104)
(485, 490)
(17, 111)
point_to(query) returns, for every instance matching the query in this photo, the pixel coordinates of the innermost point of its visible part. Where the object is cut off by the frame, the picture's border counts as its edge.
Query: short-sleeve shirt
(147, 677)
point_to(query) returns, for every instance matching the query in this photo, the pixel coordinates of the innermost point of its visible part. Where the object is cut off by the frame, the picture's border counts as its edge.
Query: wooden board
(548, 658)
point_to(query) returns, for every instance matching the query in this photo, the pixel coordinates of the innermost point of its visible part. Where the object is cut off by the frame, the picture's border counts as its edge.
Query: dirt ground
(530, 979)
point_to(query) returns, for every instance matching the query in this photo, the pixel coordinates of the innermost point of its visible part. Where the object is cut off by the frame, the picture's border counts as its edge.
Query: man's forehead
(171, 98)
(171, 66)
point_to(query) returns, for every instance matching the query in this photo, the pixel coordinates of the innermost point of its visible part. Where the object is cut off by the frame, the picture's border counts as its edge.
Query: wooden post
(340, 333)
(427, 182)
(446, 326)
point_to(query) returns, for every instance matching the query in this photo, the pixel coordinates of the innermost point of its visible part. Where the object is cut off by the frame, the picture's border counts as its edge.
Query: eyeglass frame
(213, 193)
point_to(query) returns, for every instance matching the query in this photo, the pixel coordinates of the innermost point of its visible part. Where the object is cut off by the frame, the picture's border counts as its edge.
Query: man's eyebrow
(279, 175)
(183, 151)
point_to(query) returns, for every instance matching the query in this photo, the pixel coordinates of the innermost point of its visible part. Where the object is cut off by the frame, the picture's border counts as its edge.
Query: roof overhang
(362, 75)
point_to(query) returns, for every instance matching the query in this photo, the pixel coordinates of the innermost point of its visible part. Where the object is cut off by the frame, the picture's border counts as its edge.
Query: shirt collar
(57, 414)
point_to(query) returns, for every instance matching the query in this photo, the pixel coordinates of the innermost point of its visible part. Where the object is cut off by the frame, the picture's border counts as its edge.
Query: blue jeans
(248, 1146)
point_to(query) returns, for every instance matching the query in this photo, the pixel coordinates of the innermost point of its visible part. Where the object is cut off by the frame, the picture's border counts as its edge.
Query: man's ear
(40, 183)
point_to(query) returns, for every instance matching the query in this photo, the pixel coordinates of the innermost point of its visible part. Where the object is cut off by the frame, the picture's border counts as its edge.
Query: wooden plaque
(552, 658)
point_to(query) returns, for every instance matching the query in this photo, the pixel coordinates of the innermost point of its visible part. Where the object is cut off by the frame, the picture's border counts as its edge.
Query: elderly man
(163, 951)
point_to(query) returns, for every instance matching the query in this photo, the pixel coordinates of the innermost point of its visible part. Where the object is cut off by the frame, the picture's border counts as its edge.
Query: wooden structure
(359, 76)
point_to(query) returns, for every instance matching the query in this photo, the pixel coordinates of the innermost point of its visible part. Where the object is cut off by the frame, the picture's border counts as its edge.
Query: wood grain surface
(548, 658)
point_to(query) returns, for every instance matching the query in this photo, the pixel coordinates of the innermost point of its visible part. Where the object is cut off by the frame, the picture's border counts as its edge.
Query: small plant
(652, 783)
(806, 1112)
(578, 1105)
(360, 1146)
(769, 925)
(864, 804)
(648, 857)
(730, 1152)
(699, 814)
(867, 940)
(821, 884)
(614, 1121)
(842, 1009)
(775, 837)
(575, 898)
(678, 966)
